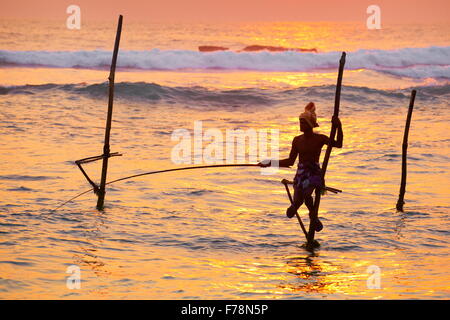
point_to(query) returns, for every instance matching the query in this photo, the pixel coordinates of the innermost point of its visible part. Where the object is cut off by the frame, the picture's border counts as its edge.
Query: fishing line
(155, 172)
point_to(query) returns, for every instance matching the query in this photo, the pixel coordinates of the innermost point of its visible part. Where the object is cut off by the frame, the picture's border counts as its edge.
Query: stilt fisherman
(308, 147)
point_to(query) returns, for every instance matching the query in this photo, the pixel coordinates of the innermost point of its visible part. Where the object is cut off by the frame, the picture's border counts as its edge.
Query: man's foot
(291, 211)
(319, 226)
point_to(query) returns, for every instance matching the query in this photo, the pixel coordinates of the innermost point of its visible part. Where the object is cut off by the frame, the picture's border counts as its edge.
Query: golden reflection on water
(219, 79)
(314, 275)
(293, 276)
(236, 205)
(88, 254)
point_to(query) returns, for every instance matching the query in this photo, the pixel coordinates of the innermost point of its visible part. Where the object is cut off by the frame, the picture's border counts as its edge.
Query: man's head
(308, 119)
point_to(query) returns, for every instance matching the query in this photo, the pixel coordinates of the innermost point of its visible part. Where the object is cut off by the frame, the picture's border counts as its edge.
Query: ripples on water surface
(219, 233)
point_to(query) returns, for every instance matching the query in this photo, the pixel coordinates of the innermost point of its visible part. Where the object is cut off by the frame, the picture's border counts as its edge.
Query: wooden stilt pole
(315, 213)
(106, 150)
(401, 196)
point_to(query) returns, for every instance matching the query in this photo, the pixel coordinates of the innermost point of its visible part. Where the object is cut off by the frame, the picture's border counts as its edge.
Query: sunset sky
(232, 10)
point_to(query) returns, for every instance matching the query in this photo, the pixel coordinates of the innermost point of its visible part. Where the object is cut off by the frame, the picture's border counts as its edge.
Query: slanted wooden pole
(337, 99)
(106, 150)
(302, 226)
(401, 196)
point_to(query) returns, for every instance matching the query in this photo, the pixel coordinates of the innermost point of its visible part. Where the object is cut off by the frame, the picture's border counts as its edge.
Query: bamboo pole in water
(159, 171)
(106, 149)
(315, 213)
(401, 196)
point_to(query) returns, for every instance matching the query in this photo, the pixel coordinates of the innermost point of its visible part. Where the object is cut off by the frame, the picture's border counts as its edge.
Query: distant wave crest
(201, 96)
(431, 62)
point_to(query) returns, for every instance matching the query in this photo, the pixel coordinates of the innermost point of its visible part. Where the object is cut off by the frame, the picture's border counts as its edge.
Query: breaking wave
(430, 62)
(155, 93)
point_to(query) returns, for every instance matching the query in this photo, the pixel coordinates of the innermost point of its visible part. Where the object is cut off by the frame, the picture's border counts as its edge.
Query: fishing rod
(155, 172)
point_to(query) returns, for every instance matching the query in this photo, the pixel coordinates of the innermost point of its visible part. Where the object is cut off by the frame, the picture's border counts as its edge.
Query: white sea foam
(408, 62)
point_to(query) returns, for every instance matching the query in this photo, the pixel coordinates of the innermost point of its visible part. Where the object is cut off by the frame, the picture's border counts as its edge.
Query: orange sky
(234, 10)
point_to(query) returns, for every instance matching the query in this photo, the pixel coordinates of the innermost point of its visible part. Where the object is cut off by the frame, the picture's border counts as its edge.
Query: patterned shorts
(308, 177)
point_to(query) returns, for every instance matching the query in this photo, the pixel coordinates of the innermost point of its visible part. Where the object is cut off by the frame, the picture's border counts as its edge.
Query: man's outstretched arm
(285, 162)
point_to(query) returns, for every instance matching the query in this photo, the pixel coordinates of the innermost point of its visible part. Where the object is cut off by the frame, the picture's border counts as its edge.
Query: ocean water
(220, 233)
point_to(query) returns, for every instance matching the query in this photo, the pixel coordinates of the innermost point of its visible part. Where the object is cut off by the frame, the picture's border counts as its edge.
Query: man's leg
(298, 197)
(309, 202)
(298, 201)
